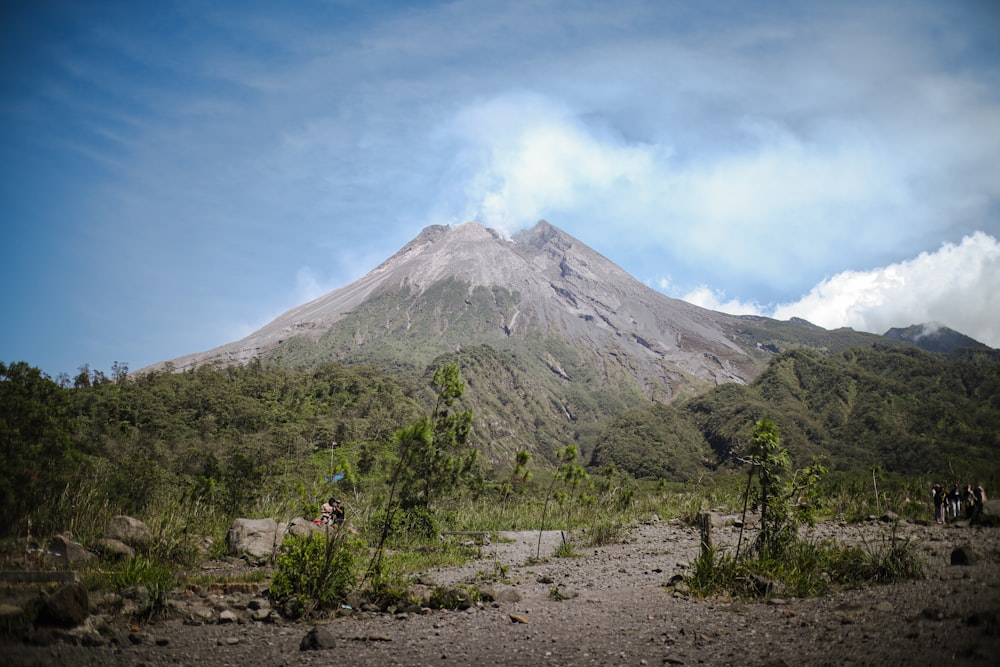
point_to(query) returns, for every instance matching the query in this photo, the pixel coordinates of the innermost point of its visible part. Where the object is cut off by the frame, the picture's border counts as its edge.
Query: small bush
(155, 579)
(805, 569)
(317, 571)
(606, 532)
(565, 550)
(889, 560)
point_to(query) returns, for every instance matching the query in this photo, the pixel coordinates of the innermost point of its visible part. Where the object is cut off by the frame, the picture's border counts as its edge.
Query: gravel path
(616, 610)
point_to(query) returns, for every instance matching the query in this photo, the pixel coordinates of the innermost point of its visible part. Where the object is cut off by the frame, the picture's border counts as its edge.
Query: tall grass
(805, 568)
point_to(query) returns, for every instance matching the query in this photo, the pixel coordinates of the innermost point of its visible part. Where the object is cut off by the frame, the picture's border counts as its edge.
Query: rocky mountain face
(541, 282)
(551, 336)
(933, 337)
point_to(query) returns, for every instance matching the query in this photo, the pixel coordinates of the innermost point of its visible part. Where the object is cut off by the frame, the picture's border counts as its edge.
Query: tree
(36, 454)
(784, 499)
(434, 451)
(432, 458)
(571, 475)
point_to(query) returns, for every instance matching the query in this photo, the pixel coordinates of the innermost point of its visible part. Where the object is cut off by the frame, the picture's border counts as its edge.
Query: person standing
(954, 502)
(938, 493)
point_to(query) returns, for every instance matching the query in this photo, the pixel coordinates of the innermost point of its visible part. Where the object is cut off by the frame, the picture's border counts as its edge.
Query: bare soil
(611, 606)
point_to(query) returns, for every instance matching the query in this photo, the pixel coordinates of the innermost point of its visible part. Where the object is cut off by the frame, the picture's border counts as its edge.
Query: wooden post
(705, 524)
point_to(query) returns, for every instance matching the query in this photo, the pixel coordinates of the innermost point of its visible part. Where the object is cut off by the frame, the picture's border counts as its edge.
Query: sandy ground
(610, 606)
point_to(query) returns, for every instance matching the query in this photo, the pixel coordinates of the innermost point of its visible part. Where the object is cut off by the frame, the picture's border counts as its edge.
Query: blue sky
(177, 174)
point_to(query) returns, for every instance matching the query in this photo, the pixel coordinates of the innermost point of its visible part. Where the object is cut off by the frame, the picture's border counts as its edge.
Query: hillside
(552, 337)
(904, 410)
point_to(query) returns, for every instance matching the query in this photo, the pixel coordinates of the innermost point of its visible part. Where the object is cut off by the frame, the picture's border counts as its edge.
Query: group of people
(332, 512)
(950, 505)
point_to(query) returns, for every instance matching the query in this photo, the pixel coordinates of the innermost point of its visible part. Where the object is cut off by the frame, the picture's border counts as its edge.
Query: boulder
(300, 527)
(113, 548)
(319, 638)
(254, 539)
(129, 530)
(68, 551)
(67, 607)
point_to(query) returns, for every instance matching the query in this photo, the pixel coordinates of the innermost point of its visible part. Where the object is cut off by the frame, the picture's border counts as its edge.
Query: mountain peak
(933, 337)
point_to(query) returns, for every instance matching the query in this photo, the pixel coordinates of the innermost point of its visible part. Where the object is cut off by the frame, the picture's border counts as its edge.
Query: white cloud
(957, 286)
(706, 297)
(525, 157)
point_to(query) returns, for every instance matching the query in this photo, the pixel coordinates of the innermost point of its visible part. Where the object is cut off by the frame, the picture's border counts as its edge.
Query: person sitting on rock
(325, 515)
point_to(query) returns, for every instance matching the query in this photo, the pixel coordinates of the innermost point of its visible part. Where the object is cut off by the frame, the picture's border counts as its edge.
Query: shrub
(316, 572)
(149, 580)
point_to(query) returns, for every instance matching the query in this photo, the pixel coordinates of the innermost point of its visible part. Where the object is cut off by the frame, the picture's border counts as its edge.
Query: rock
(227, 616)
(197, 613)
(8, 612)
(253, 538)
(453, 598)
(67, 607)
(319, 638)
(889, 517)
(964, 555)
(492, 594)
(129, 530)
(68, 551)
(299, 527)
(113, 548)
(139, 595)
(258, 603)
(260, 615)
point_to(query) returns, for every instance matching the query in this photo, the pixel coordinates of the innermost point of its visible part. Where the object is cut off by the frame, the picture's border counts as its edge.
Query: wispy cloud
(734, 158)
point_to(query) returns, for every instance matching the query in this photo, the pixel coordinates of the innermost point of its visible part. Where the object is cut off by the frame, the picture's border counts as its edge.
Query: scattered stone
(261, 615)
(319, 638)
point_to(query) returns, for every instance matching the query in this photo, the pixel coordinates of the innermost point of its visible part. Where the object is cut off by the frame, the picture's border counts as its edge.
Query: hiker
(937, 491)
(955, 501)
(970, 502)
(336, 511)
(979, 498)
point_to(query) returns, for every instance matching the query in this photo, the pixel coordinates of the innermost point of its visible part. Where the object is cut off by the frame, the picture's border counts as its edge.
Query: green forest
(254, 440)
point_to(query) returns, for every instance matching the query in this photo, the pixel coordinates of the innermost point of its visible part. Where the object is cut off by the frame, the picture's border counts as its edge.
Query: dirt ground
(610, 606)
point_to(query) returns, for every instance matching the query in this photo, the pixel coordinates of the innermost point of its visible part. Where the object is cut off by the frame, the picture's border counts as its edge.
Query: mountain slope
(551, 336)
(903, 409)
(933, 337)
(540, 282)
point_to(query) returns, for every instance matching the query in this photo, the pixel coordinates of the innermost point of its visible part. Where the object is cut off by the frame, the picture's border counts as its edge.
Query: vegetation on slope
(899, 408)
